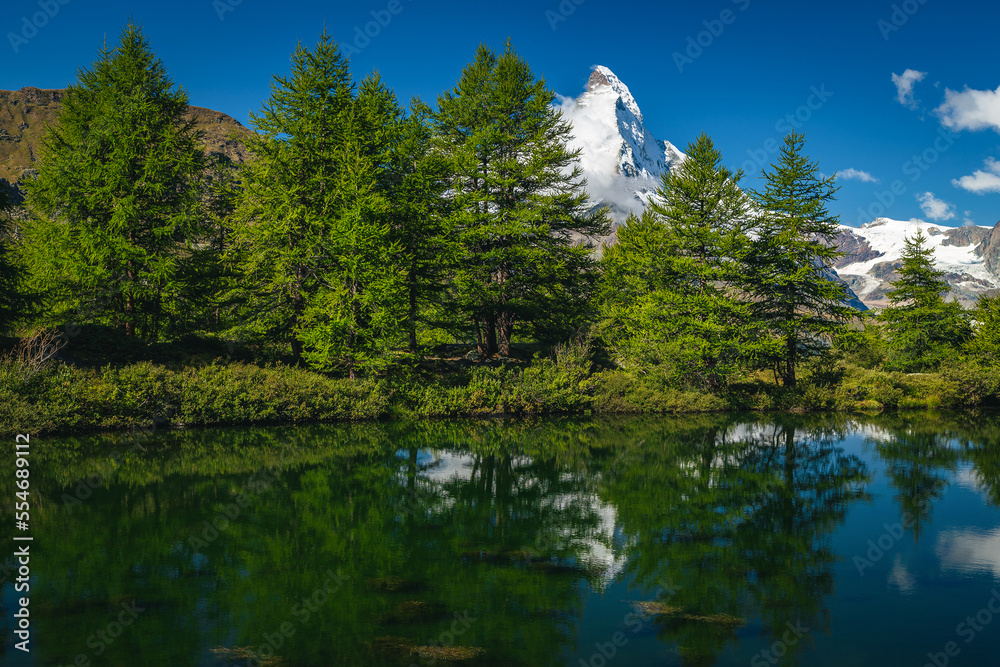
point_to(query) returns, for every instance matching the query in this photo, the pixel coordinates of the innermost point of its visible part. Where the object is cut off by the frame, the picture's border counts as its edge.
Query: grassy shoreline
(65, 399)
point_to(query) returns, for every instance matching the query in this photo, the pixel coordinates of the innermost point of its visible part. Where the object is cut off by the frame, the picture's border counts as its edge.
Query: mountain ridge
(623, 167)
(25, 113)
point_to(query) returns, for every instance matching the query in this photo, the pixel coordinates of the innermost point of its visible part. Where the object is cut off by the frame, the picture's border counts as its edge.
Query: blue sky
(734, 68)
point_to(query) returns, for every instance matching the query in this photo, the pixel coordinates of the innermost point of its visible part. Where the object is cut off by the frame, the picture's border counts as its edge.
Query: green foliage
(13, 301)
(64, 398)
(517, 199)
(923, 328)
(670, 298)
(115, 194)
(864, 345)
(207, 282)
(312, 230)
(985, 342)
(793, 299)
(626, 392)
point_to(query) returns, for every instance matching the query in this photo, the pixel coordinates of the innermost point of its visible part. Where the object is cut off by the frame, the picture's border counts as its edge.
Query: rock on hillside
(25, 113)
(968, 256)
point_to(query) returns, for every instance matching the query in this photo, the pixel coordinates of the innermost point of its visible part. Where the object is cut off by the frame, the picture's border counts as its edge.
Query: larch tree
(794, 299)
(356, 320)
(520, 208)
(289, 200)
(923, 328)
(672, 279)
(116, 193)
(312, 227)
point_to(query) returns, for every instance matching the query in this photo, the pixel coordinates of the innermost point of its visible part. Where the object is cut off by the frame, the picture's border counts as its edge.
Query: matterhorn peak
(603, 81)
(601, 76)
(622, 160)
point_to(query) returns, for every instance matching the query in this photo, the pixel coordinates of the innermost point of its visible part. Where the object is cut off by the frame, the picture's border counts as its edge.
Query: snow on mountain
(623, 163)
(621, 159)
(874, 253)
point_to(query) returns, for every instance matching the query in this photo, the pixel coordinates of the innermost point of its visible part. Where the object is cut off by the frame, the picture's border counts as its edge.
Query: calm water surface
(698, 541)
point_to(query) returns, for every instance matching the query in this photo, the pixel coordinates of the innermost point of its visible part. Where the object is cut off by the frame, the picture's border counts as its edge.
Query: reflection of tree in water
(736, 517)
(919, 458)
(507, 541)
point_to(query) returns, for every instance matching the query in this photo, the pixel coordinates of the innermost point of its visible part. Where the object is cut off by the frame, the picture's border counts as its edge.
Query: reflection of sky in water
(968, 478)
(901, 578)
(601, 552)
(970, 550)
(444, 466)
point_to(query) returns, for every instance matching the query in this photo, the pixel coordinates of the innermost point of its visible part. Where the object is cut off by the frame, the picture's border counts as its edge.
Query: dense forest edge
(371, 260)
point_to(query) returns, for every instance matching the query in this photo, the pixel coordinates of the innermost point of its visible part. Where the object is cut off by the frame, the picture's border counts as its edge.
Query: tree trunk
(130, 299)
(506, 332)
(298, 305)
(789, 379)
(488, 341)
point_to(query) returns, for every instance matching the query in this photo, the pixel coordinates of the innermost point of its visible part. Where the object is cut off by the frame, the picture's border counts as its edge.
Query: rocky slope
(25, 113)
(969, 257)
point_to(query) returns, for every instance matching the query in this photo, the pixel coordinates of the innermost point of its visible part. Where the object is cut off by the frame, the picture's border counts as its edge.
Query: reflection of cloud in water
(444, 466)
(968, 478)
(901, 578)
(596, 550)
(970, 550)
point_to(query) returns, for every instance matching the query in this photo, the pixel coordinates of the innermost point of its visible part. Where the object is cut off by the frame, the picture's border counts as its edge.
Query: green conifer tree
(312, 227)
(289, 199)
(115, 196)
(794, 300)
(356, 320)
(923, 328)
(520, 207)
(672, 279)
(421, 221)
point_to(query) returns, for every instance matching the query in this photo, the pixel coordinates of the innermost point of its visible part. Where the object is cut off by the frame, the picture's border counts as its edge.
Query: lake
(715, 540)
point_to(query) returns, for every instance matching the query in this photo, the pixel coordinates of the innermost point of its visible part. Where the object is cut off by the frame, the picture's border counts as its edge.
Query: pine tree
(312, 224)
(923, 328)
(793, 299)
(680, 263)
(115, 193)
(519, 204)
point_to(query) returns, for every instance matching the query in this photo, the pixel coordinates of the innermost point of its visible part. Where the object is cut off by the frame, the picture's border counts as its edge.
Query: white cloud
(855, 174)
(981, 182)
(934, 208)
(970, 109)
(904, 86)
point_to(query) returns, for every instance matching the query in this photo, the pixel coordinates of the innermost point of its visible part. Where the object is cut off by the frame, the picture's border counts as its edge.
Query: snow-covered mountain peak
(621, 159)
(604, 82)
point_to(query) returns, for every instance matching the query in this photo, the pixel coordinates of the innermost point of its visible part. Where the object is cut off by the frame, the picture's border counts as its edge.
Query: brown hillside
(25, 113)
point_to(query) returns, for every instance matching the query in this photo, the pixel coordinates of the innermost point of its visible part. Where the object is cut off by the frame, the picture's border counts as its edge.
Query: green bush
(622, 392)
